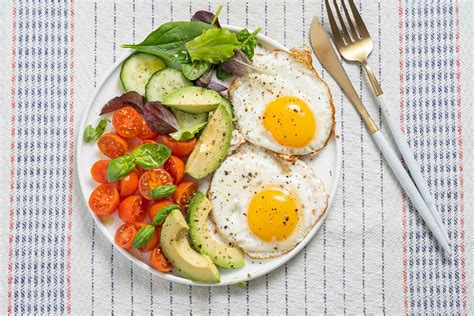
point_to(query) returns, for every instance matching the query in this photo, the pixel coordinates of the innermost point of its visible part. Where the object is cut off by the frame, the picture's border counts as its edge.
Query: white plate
(326, 164)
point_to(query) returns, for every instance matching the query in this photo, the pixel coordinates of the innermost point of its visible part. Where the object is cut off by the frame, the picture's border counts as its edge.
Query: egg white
(246, 172)
(283, 74)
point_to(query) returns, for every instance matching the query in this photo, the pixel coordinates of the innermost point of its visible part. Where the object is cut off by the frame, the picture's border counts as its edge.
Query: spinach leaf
(188, 133)
(144, 235)
(248, 41)
(160, 216)
(162, 191)
(214, 46)
(93, 134)
(168, 41)
(120, 167)
(151, 156)
(196, 69)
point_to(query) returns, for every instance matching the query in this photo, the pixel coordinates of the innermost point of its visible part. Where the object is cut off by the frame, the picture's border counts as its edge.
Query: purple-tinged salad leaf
(205, 81)
(214, 46)
(239, 64)
(160, 119)
(130, 98)
(206, 17)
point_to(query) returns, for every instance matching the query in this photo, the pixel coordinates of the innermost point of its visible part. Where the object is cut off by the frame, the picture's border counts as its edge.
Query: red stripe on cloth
(71, 157)
(402, 119)
(12, 162)
(460, 159)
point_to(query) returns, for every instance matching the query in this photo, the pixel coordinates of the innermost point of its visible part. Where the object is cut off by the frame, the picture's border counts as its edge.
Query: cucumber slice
(163, 82)
(137, 70)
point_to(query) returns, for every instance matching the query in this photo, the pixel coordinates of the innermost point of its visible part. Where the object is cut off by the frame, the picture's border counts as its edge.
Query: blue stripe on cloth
(434, 282)
(42, 145)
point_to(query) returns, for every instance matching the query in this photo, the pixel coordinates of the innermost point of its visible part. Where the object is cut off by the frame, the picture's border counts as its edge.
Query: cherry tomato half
(99, 171)
(128, 185)
(112, 145)
(175, 168)
(184, 193)
(128, 122)
(151, 179)
(125, 234)
(159, 261)
(146, 132)
(158, 206)
(131, 209)
(104, 200)
(179, 148)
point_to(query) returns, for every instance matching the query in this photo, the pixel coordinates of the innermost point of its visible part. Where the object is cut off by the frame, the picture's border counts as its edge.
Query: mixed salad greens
(171, 121)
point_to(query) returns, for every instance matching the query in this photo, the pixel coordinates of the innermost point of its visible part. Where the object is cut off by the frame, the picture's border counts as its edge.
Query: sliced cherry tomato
(128, 122)
(99, 171)
(147, 141)
(179, 148)
(125, 234)
(151, 179)
(154, 241)
(128, 185)
(133, 142)
(104, 200)
(112, 145)
(184, 193)
(159, 261)
(175, 167)
(131, 209)
(158, 206)
(146, 132)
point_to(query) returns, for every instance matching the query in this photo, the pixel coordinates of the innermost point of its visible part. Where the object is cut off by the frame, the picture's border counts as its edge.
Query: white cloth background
(372, 255)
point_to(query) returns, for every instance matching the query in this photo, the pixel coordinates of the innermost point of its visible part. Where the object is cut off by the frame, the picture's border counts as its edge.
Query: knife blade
(327, 56)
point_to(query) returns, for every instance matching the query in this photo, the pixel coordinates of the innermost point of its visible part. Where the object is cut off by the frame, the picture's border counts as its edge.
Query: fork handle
(411, 163)
(406, 182)
(372, 78)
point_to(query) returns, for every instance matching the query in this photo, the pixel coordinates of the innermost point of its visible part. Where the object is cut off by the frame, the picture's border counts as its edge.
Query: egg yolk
(290, 121)
(272, 214)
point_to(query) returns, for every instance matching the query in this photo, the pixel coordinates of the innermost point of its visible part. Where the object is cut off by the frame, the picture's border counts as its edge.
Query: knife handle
(405, 181)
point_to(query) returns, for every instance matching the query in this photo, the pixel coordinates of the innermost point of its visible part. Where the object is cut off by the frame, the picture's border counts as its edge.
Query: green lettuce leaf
(214, 46)
(188, 133)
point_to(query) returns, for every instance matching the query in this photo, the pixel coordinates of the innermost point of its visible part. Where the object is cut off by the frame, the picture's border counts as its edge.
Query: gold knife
(326, 54)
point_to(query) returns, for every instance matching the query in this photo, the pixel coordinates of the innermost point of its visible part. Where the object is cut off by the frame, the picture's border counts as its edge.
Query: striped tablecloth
(373, 254)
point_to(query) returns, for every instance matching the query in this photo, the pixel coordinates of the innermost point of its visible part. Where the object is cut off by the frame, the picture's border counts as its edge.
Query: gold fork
(354, 44)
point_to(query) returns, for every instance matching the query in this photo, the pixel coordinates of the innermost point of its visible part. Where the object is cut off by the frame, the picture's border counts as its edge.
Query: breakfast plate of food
(208, 154)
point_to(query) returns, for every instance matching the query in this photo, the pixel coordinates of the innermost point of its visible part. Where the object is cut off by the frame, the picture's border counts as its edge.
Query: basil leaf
(196, 69)
(160, 216)
(144, 235)
(188, 133)
(151, 156)
(120, 167)
(93, 134)
(162, 191)
(214, 45)
(248, 41)
(221, 74)
(168, 41)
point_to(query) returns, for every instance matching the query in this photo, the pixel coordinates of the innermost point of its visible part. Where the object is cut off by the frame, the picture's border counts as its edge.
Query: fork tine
(334, 28)
(349, 20)
(345, 32)
(358, 19)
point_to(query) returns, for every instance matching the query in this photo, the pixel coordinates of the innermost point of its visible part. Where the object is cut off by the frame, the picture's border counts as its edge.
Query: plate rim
(174, 278)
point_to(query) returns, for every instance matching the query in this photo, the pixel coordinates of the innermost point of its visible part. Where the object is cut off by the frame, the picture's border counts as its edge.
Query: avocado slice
(213, 145)
(187, 262)
(221, 254)
(193, 99)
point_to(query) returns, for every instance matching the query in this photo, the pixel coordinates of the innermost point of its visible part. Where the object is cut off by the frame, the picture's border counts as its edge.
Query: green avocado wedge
(221, 254)
(187, 262)
(212, 146)
(193, 99)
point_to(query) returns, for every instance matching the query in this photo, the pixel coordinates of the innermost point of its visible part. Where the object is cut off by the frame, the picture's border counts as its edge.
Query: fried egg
(287, 108)
(264, 204)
